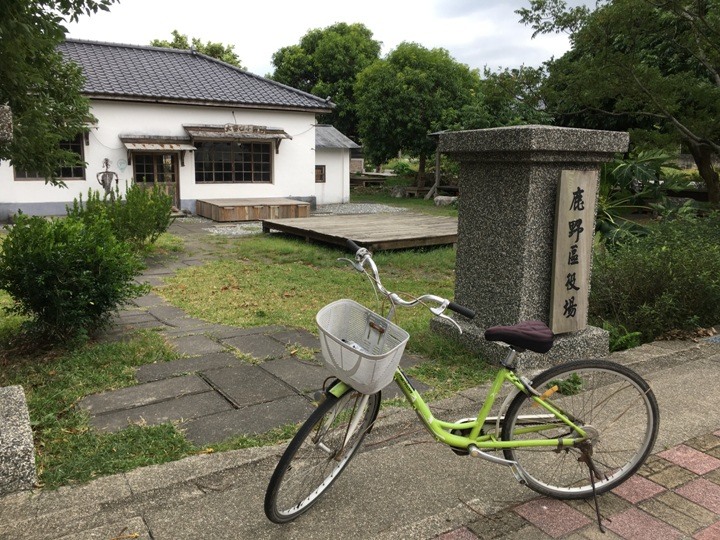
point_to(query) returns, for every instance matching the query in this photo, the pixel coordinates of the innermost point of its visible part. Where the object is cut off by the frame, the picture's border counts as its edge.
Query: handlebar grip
(457, 308)
(352, 246)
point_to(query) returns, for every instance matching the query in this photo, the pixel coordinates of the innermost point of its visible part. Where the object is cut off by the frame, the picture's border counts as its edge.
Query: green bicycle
(574, 431)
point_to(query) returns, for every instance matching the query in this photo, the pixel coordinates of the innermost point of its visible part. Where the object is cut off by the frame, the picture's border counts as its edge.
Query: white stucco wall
(336, 188)
(293, 166)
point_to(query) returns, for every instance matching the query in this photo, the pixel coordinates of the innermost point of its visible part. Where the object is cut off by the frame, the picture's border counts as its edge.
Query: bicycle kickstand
(585, 457)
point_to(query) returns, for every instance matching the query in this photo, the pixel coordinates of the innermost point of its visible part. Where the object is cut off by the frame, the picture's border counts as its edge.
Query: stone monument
(526, 224)
(17, 453)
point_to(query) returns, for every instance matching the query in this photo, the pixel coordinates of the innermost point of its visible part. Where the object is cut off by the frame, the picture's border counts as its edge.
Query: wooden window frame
(320, 174)
(70, 173)
(157, 172)
(234, 162)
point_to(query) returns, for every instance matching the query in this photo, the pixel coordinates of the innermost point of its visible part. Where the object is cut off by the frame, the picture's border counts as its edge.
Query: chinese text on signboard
(574, 222)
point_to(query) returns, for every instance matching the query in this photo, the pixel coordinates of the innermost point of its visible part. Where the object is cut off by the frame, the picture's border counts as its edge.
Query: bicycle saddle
(532, 335)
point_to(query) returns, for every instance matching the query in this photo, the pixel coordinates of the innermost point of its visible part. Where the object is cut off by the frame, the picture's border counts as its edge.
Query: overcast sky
(478, 33)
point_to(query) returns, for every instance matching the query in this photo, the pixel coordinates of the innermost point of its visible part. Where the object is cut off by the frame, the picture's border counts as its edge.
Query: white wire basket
(360, 347)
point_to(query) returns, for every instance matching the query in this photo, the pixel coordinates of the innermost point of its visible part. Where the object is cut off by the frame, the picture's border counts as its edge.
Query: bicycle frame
(442, 430)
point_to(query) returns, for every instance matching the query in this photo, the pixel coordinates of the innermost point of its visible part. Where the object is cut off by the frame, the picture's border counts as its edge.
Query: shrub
(140, 219)
(67, 275)
(621, 338)
(143, 217)
(402, 168)
(666, 280)
(639, 182)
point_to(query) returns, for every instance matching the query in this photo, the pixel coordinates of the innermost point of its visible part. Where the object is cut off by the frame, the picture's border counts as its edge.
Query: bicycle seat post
(510, 360)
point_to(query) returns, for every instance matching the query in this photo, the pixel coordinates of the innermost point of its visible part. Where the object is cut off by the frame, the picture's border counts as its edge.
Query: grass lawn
(273, 279)
(416, 204)
(260, 280)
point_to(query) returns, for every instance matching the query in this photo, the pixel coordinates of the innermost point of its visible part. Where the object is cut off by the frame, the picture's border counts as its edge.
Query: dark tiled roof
(329, 137)
(119, 71)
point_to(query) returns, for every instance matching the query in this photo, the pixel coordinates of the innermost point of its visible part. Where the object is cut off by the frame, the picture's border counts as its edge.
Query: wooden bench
(448, 190)
(365, 181)
(416, 191)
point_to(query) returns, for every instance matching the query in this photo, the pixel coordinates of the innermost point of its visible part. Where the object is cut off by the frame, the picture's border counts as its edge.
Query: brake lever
(447, 318)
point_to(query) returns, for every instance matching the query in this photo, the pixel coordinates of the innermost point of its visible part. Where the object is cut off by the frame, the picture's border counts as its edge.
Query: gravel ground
(358, 208)
(254, 227)
(236, 229)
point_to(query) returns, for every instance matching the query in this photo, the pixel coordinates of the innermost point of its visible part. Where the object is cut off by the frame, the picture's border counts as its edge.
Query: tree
(652, 66)
(325, 63)
(42, 90)
(513, 97)
(222, 52)
(412, 93)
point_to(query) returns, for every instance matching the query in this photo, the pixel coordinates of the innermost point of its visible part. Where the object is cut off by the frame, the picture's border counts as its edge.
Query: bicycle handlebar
(363, 257)
(352, 246)
(462, 310)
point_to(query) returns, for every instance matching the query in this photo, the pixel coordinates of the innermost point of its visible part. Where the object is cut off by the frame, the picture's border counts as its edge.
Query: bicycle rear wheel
(612, 403)
(318, 453)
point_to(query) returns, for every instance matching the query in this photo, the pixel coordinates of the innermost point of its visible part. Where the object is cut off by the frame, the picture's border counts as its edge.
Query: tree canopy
(325, 63)
(226, 53)
(412, 93)
(42, 90)
(512, 97)
(650, 66)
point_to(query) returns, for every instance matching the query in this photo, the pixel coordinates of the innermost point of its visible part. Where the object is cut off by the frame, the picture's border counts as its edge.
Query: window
(154, 168)
(230, 161)
(75, 172)
(319, 174)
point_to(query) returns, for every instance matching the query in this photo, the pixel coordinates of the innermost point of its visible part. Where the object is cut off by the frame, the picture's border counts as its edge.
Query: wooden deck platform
(373, 231)
(251, 209)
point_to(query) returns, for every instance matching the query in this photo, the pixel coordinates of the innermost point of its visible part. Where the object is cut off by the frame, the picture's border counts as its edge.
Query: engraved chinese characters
(574, 224)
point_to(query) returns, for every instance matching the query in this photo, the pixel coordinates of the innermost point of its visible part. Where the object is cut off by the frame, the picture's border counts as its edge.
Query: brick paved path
(675, 495)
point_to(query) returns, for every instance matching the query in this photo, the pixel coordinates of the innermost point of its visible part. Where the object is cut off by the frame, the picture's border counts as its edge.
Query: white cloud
(475, 32)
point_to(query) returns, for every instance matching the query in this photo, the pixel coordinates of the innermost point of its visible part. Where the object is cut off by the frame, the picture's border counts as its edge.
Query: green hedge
(666, 280)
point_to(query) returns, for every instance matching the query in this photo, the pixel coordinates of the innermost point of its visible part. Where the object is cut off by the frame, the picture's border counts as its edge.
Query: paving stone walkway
(230, 381)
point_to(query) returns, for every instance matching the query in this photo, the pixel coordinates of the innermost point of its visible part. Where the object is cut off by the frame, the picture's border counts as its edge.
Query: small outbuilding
(332, 165)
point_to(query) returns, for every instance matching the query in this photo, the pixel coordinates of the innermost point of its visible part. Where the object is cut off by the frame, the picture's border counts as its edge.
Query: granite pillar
(17, 452)
(508, 193)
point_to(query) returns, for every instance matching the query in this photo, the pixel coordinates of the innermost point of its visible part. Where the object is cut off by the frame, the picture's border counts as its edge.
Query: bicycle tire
(614, 401)
(307, 469)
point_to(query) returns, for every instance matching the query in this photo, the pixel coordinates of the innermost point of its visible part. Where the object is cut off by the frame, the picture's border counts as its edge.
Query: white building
(202, 128)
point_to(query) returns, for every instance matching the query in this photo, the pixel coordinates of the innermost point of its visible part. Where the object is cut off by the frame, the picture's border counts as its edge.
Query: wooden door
(160, 169)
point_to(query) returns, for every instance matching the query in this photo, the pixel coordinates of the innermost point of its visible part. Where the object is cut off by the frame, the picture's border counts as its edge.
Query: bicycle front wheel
(318, 453)
(615, 407)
